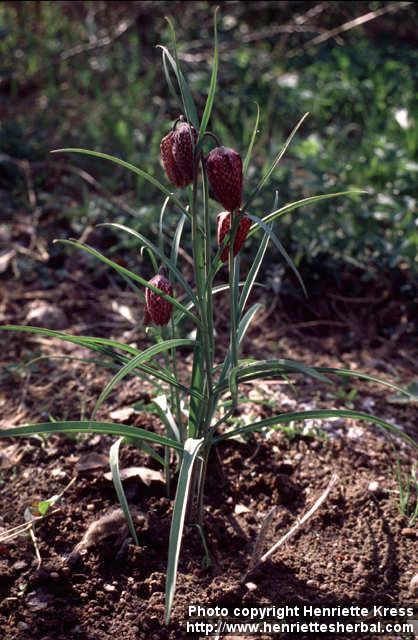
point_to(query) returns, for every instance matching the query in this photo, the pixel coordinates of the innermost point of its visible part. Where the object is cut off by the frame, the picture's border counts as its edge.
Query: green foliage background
(359, 86)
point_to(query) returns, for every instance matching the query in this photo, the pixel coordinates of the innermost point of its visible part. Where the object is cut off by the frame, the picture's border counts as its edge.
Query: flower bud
(184, 139)
(158, 308)
(224, 220)
(224, 167)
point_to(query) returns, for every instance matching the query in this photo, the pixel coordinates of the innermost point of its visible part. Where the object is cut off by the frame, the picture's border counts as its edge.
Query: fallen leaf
(122, 414)
(146, 475)
(241, 508)
(91, 461)
(5, 259)
(11, 455)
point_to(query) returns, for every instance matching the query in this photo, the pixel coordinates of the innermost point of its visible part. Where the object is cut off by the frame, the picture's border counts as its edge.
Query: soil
(358, 548)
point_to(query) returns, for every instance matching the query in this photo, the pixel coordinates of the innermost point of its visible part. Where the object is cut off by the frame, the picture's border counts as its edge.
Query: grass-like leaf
(167, 261)
(191, 449)
(186, 96)
(302, 203)
(263, 369)
(267, 229)
(275, 162)
(213, 79)
(253, 272)
(251, 143)
(130, 274)
(127, 165)
(129, 367)
(89, 426)
(295, 416)
(105, 346)
(117, 483)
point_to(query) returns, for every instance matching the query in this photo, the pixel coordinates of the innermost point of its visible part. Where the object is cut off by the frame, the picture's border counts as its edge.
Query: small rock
(373, 486)
(413, 585)
(109, 587)
(90, 507)
(19, 565)
(408, 532)
(23, 626)
(251, 586)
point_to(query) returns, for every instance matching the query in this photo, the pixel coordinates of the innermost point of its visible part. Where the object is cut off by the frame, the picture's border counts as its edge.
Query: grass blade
(252, 274)
(127, 165)
(176, 240)
(252, 140)
(347, 373)
(186, 96)
(130, 366)
(169, 263)
(275, 162)
(196, 406)
(191, 448)
(166, 416)
(89, 426)
(267, 229)
(213, 79)
(117, 483)
(101, 345)
(130, 274)
(302, 203)
(285, 418)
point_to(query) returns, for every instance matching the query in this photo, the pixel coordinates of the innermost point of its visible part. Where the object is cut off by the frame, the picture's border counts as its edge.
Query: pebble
(409, 532)
(373, 486)
(90, 507)
(251, 586)
(19, 565)
(109, 587)
(413, 585)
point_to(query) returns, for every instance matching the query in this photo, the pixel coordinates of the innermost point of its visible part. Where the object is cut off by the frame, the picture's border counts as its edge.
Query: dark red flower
(224, 225)
(158, 308)
(224, 167)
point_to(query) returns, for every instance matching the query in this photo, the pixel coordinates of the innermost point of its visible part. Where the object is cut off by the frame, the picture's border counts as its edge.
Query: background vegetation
(88, 74)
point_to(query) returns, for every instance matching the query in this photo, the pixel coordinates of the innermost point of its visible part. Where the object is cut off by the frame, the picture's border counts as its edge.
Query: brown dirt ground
(357, 548)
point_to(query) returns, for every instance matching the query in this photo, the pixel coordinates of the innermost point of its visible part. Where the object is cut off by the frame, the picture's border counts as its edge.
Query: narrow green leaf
(161, 224)
(100, 345)
(130, 167)
(89, 426)
(191, 448)
(130, 274)
(319, 414)
(253, 272)
(242, 330)
(186, 96)
(117, 483)
(176, 240)
(267, 229)
(251, 144)
(167, 417)
(196, 406)
(130, 366)
(302, 203)
(263, 369)
(247, 319)
(168, 263)
(213, 79)
(275, 162)
(348, 373)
